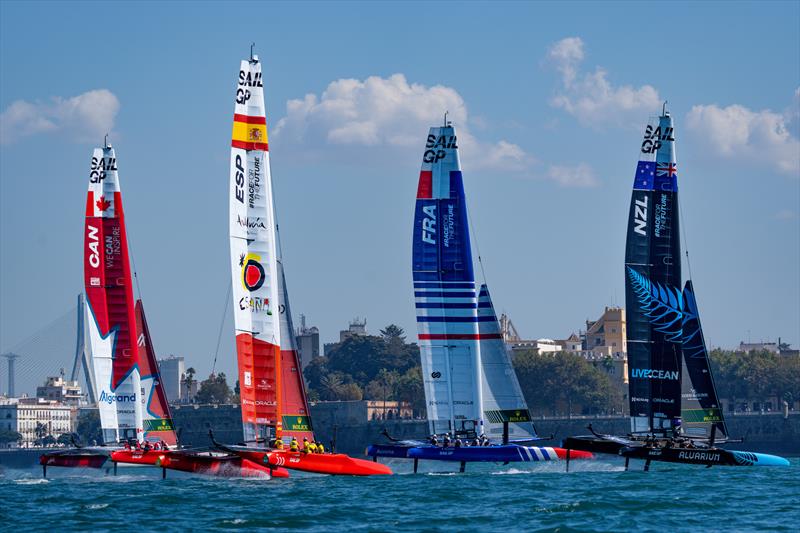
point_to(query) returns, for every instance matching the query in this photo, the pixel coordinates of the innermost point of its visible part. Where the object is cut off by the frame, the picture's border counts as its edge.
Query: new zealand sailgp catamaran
(110, 326)
(472, 392)
(675, 412)
(274, 404)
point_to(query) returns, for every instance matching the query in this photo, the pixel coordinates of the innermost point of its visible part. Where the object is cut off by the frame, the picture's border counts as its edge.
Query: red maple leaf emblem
(102, 204)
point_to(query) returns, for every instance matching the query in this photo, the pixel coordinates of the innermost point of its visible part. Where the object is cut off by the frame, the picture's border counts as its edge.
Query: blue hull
(495, 454)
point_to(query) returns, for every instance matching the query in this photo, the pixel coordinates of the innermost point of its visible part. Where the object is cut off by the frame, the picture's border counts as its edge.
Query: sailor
(458, 443)
(305, 445)
(446, 441)
(434, 440)
(320, 448)
(310, 446)
(293, 446)
(127, 445)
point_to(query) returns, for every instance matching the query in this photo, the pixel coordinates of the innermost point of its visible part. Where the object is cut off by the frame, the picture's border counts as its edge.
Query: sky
(549, 101)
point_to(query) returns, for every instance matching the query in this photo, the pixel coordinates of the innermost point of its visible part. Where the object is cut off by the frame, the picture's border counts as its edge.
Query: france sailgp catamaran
(110, 326)
(675, 411)
(471, 390)
(273, 399)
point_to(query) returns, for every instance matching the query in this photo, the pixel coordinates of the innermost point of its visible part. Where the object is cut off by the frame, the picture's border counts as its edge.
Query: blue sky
(549, 100)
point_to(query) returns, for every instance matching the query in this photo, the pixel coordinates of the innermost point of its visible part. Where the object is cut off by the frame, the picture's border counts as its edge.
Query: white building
(172, 370)
(61, 390)
(24, 415)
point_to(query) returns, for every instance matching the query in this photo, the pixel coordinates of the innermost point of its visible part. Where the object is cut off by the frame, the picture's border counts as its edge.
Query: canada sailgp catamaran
(273, 399)
(471, 391)
(110, 326)
(675, 411)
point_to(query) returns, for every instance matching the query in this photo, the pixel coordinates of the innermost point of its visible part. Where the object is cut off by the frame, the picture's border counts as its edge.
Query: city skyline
(549, 121)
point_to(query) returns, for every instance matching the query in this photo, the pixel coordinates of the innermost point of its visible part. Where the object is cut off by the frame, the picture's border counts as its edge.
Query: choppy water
(594, 496)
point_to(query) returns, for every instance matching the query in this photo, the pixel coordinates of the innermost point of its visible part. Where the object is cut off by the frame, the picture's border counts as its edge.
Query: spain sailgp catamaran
(471, 390)
(273, 399)
(675, 411)
(110, 326)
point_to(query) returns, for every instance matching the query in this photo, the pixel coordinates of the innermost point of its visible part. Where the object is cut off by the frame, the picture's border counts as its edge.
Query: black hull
(590, 443)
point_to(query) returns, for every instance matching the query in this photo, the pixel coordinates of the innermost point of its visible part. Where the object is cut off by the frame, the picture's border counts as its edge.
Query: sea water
(593, 496)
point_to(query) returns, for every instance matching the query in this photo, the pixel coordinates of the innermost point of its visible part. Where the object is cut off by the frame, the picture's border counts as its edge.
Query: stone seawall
(768, 433)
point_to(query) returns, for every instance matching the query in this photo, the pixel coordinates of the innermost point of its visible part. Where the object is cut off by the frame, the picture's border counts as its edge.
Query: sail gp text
(654, 139)
(436, 147)
(247, 79)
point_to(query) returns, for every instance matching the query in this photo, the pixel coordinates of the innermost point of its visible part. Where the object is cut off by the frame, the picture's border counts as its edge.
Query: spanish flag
(249, 133)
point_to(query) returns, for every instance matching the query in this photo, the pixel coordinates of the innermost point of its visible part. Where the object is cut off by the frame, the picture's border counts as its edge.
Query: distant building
(608, 330)
(172, 370)
(60, 390)
(25, 415)
(357, 328)
(307, 342)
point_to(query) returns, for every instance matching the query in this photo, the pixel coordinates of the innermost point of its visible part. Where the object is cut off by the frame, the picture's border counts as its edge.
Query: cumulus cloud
(590, 97)
(389, 112)
(738, 133)
(580, 175)
(85, 117)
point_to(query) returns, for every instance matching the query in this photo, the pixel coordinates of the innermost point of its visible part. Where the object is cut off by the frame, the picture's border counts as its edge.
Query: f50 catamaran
(471, 390)
(675, 412)
(110, 326)
(274, 404)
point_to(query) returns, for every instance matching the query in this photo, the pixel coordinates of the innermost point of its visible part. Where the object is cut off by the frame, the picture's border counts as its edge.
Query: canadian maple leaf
(102, 204)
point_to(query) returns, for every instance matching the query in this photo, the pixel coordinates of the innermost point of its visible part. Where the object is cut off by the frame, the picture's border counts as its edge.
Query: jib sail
(110, 323)
(158, 426)
(502, 396)
(295, 415)
(652, 284)
(701, 411)
(253, 259)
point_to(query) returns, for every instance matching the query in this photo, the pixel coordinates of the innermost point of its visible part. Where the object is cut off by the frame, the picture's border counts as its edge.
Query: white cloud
(389, 113)
(738, 133)
(591, 97)
(85, 117)
(580, 175)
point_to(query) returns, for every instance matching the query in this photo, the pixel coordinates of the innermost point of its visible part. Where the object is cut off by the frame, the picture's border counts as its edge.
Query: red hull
(335, 464)
(72, 460)
(573, 454)
(138, 457)
(217, 465)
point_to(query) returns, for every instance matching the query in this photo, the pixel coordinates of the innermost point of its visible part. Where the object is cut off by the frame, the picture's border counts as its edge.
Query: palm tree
(189, 380)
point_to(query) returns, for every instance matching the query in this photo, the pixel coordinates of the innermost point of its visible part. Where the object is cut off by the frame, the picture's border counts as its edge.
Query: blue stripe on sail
(452, 305)
(444, 285)
(444, 294)
(456, 318)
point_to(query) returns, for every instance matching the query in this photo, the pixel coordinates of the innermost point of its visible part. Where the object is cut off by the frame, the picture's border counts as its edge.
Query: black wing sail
(652, 281)
(701, 409)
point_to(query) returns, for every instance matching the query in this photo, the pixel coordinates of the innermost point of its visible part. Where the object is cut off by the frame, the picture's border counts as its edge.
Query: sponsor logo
(255, 304)
(436, 147)
(253, 275)
(248, 379)
(699, 456)
(654, 138)
(238, 191)
(140, 339)
(463, 402)
(646, 373)
(640, 215)
(109, 397)
(254, 182)
(251, 222)
(449, 224)
(429, 224)
(94, 248)
(436, 375)
(94, 281)
(100, 167)
(661, 216)
(102, 204)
